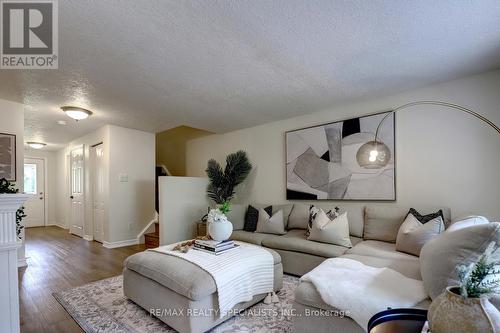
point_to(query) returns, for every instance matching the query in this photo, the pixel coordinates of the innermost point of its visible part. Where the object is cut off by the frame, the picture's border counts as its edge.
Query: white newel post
(9, 293)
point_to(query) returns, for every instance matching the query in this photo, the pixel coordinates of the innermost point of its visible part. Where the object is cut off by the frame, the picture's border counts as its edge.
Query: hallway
(57, 261)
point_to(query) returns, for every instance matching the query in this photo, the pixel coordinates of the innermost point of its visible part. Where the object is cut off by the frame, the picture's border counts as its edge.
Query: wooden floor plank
(59, 261)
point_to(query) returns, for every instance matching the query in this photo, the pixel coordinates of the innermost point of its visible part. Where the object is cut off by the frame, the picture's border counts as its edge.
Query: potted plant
(221, 189)
(466, 307)
(7, 187)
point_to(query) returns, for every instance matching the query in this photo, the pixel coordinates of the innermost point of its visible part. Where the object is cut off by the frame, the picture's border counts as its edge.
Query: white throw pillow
(467, 221)
(413, 234)
(329, 231)
(271, 224)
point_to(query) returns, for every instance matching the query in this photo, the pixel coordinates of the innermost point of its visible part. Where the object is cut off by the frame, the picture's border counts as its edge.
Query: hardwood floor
(59, 261)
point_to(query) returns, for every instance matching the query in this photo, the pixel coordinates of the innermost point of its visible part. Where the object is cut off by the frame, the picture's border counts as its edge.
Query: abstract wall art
(8, 156)
(321, 161)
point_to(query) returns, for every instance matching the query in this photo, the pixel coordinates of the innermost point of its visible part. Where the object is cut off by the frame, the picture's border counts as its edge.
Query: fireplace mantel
(9, 242)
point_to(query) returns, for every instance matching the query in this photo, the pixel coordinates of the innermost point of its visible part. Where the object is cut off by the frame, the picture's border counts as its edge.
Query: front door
(34, 184)
(77, 191)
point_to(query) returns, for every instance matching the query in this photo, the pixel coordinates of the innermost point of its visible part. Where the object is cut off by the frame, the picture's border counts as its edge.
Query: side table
(201, 228)
(398, 320)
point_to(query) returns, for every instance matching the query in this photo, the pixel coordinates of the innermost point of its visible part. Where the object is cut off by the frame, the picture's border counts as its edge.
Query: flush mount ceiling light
(76, 112)
(36, 145)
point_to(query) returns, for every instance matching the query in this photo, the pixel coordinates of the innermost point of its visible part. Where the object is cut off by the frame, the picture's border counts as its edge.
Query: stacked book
(213, 246)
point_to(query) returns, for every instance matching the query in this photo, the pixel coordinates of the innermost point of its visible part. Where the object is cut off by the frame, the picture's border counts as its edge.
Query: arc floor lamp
(375, 154)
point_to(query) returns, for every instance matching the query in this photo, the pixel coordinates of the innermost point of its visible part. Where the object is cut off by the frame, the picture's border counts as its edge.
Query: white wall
(444, 157)
(131, 203)
(50, 180)
(12, 122)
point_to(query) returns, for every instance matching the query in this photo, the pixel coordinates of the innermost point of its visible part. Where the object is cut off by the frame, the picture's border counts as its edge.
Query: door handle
(41, 198)
(71, 197)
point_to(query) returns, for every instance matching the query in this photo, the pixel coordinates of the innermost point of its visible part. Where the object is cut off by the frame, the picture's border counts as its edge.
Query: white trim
(164, 167)
(62, 226)
(152, 222)
(89, 238)
(22, 263)
(112, 245)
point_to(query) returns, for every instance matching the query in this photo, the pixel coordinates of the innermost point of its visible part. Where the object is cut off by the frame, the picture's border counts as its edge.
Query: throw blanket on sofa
(239, 274)
(362, 290)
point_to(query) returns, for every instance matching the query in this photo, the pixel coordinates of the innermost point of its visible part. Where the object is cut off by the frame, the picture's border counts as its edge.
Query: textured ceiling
(224, 65)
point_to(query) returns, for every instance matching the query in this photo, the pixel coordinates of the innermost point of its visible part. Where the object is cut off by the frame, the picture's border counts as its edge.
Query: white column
(9, 293)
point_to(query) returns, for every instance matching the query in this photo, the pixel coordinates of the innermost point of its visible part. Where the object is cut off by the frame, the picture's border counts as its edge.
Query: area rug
(101, 307)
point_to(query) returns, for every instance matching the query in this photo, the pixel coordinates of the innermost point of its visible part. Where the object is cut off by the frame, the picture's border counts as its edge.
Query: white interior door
(77, 172)
(97, 153)
(34, 184)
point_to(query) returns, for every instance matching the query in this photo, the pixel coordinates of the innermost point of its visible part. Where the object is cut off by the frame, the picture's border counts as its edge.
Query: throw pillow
(468, 221)
(252, 216)
(426, 218)
(268, 224)
(413, 234)
(332, 231)
(313, 211)
(440, 257)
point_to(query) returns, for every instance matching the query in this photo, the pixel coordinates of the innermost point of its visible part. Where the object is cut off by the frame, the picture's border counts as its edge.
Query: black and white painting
(8, 156)
(321, 161)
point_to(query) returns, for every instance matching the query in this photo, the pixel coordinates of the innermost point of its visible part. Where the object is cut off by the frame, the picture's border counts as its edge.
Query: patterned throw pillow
(252, 216)
(425, 218)
(313, 211)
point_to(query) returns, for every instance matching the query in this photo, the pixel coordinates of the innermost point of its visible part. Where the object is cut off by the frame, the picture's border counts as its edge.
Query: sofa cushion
(177, 274)
(380, 249)
(287, 210)
(299, 217)
(295, 240)
(248, 236)
(440, 256)
(307, 294)
(409, 268)
(237, 216)
(382, 222)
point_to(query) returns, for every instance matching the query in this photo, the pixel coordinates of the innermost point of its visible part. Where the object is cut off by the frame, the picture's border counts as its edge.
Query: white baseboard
(112, 245)
(59, 226)
(88, 238)
(22, 263)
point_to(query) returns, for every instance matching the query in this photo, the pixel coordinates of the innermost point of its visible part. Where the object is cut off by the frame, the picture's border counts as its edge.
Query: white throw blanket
(362, 290)
(239, 274)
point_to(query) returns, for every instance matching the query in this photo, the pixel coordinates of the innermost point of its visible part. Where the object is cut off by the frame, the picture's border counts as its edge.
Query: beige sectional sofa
(300, 255)
(373, 231)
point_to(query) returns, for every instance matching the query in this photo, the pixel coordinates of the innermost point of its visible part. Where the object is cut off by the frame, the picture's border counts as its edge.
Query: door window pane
(30, 178)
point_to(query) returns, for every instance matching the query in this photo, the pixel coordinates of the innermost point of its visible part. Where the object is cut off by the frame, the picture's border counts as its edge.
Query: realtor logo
(29, 34)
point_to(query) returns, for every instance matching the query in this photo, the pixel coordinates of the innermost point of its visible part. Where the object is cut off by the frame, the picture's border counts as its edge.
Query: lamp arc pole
(438, 103)
(375, 154)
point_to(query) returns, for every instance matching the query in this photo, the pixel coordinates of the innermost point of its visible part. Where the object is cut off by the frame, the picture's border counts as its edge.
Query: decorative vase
(452, 313)
(220, 230)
